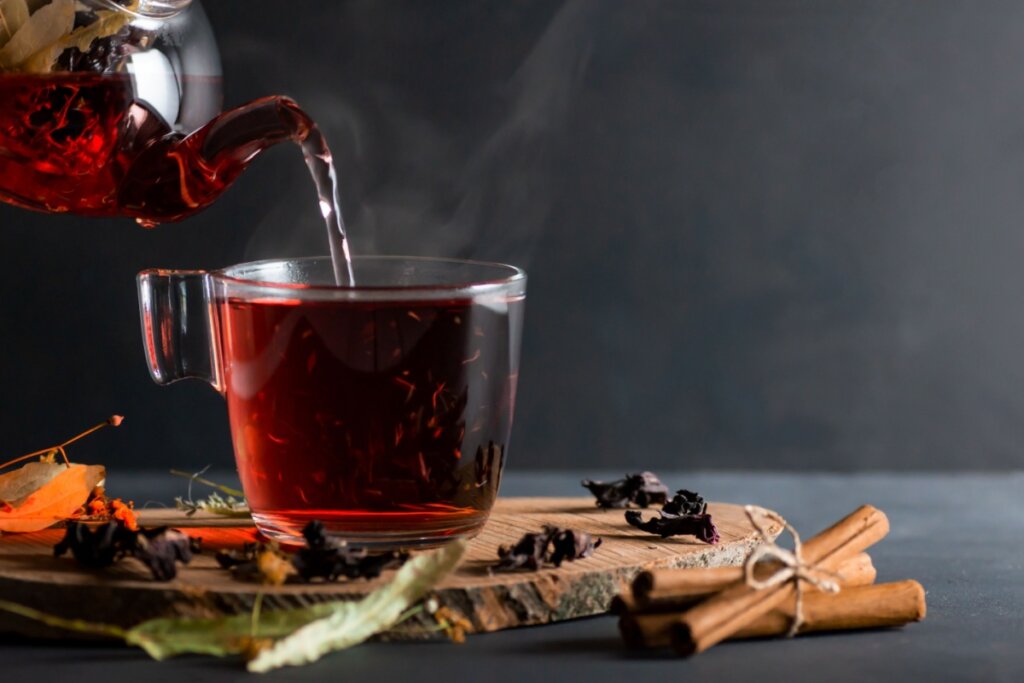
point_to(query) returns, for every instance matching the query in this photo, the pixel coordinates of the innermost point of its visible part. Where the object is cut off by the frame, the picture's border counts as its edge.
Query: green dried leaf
(303, 635)
(350, 623)
(220, 637)
(76, 625)
(215, 504)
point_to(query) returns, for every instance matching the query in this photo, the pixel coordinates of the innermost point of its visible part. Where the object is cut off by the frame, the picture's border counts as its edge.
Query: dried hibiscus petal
(664, 525)
(567, 544)
(326, 558)
(97, 547)
(641, 489)
(685, 503)
(161, 550)
(530, 552)
(101, 546)
(551, 546)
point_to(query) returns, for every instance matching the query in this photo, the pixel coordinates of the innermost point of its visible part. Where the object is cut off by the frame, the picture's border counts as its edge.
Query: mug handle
(177, 326)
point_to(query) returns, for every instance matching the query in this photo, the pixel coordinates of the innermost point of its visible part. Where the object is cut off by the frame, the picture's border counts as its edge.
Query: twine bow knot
(793, 566)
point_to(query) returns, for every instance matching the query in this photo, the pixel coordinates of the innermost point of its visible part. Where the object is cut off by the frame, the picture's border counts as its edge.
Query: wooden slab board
(126, 595)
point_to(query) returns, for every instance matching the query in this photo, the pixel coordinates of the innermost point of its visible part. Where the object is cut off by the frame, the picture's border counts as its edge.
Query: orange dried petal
(124, 514)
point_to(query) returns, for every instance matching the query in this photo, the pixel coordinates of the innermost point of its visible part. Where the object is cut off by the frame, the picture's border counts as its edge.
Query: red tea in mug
(374, 417)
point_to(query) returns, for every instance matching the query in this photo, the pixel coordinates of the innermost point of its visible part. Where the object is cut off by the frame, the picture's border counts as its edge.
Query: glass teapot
(113, 108)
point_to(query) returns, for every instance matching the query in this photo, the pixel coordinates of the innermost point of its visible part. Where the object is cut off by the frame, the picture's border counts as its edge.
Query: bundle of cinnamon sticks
(691, 610)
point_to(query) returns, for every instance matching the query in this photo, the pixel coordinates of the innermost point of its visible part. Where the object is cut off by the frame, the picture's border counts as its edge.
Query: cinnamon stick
(673, 590)
(733, 609)
(857, 607)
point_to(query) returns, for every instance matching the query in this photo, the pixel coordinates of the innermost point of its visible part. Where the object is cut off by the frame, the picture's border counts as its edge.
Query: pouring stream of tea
(321, 167)
(232, 140)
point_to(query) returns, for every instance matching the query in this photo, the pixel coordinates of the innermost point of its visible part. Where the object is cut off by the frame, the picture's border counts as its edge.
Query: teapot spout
(178, 176)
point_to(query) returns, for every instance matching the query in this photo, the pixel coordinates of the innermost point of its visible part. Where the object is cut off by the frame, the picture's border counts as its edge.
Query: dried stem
(77, 625)
(256, 609)
(113, 421)
(195, 476)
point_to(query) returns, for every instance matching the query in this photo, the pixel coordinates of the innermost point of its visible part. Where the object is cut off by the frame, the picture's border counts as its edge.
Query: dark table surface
(959, 535)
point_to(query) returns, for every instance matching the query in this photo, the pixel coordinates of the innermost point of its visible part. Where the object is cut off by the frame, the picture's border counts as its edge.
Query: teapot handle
(178, 327)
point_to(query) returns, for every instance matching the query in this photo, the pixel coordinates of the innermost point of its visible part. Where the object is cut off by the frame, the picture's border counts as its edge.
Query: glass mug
(382, 410)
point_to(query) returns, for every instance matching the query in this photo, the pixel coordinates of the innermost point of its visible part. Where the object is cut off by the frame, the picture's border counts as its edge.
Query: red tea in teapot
(69, 141)
(112, 109)
(84, 143)
(370, 416)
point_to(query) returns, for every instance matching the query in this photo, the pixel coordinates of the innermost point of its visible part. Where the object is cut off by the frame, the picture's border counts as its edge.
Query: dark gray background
(760, 233)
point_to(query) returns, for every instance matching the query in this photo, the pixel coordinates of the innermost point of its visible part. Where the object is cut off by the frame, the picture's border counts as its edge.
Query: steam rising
(418, 184)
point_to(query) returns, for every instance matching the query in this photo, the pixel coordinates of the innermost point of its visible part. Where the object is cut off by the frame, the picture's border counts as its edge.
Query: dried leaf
(305, 634)
(215, 504)
(350, 623)
(47, 26)
(13, 15)
(337, 624)
(46, 47)
(19, 484)
(64, 489)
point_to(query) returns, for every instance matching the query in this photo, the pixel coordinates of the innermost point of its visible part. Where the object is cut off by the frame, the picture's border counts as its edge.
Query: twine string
(793, 566)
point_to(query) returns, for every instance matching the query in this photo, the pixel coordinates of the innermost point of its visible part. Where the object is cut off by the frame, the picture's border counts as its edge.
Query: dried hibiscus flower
(700, 526)
(685, 503)
(96, 547)
(641, 489)
(551, 546)
(530, 552)
(685, 515)
(326, 558)
(159, 549)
